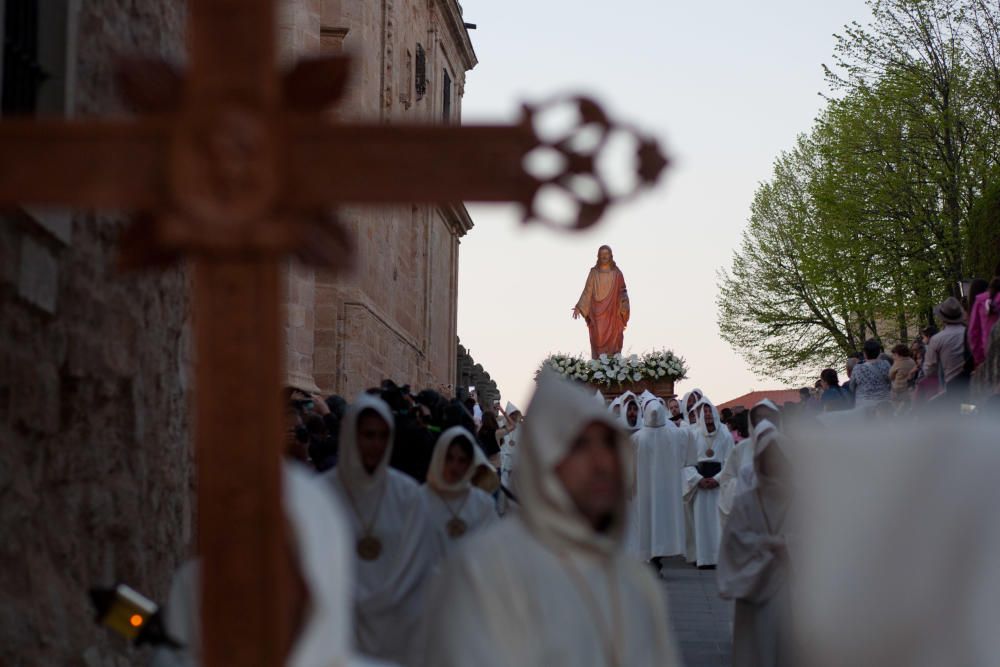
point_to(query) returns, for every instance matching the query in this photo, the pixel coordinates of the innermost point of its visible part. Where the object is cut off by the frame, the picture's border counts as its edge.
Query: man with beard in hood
(674, 409)
(631, 412)
(388, 517)
(753, 561)
(552, 587)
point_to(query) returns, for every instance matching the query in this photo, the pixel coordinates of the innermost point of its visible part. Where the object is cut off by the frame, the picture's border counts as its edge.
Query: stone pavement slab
(702, 621)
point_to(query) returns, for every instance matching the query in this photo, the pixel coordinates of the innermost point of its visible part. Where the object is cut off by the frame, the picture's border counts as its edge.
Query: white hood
(350, 470)
(645, 397)
(698, 394)
(655, 415)
(511, 409)
(626, 398)
(702, 424)
(435, 473)
(756, 431)
(560, 410)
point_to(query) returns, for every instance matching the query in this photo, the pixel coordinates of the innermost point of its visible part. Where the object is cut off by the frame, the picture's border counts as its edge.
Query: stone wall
(471, 374)
(96, 476)
(396, 315)
(96, 473)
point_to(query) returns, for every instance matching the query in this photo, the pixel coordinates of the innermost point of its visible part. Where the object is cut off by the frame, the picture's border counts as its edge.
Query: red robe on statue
(605, 306)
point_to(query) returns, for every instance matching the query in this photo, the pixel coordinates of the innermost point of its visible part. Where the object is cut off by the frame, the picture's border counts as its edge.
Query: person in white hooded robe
(508, 445)
(552, 587)
(712, 443)
(738, 474)
(631, 414)
(688, 403)
(324, 562)
(616, 407)
(662, 453)
(388, 515)
(455, 507)
(645, 397)
(509, 435)
(753, 560)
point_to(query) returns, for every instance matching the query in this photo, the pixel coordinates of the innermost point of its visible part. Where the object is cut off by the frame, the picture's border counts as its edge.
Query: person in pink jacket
(984, 313)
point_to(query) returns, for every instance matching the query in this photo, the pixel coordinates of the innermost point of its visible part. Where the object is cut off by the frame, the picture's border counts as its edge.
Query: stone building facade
(395, 316)
(96, 472)
(96, 476)
(471, 374)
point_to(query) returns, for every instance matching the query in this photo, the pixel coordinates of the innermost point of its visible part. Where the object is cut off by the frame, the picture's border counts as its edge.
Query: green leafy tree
(889, 201)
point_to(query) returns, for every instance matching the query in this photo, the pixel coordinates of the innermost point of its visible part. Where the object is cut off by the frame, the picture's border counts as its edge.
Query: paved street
(702, 621)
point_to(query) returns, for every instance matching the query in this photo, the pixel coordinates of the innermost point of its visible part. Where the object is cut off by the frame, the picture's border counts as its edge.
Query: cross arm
(396, 164)
(87, 164)
(385, 164)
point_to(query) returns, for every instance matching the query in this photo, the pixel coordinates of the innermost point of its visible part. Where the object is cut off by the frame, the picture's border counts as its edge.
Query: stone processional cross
(234, 166)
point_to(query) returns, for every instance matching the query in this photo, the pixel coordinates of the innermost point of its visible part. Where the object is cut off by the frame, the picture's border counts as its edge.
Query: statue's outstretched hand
(576, 313)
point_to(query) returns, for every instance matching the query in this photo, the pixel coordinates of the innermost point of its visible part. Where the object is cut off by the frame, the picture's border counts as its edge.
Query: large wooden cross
(233, 165)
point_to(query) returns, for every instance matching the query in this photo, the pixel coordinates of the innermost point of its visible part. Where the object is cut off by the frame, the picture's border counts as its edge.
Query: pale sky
(725, 85)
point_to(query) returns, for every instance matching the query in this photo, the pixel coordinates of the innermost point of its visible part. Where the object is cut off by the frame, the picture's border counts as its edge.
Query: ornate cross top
(235, 166)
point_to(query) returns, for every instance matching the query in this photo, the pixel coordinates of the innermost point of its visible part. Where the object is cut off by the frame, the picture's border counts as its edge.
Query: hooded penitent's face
(632, 413)
(591, 473)
(457, 461)
(674, 407)
(709, 418)
(568, 484)
(373, 439)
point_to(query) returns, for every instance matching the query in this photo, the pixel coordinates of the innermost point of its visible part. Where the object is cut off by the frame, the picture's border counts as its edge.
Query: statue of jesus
(604, 305)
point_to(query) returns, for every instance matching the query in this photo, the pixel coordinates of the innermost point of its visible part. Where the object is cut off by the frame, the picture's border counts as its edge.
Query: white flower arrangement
(616, 369)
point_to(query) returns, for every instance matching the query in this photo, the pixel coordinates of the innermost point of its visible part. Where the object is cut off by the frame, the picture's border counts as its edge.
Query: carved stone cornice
(457, 217)
(451, 15)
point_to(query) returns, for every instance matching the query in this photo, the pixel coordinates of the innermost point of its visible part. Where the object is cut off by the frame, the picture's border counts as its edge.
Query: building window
(23, 74)
(406, 90)
(446, 96)
(420, 73)
(38, 56)
(37, 72)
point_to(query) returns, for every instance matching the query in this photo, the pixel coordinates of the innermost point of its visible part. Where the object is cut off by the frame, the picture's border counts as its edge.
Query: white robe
(702, 505)
(537, 590)
(508, 450)
(460, 500)
(389, 591)
(737, 477)
(738, 474)
(897, 563)
(325, 563)
(662, 452)
(756, 575)
(508, 601)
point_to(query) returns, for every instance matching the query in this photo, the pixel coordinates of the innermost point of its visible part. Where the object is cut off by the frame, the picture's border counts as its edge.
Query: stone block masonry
(96, 471)
(96, 476)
